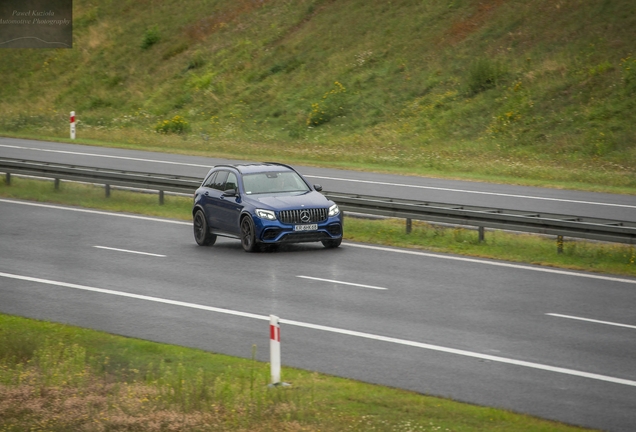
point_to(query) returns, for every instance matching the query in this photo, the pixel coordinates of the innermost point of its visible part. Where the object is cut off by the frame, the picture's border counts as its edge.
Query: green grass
(55, 377)
(526, 248)
(519, 92)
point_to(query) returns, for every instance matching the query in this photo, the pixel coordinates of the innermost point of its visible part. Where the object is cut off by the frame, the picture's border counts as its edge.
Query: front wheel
(201, 233)
(331, 244)
(248, 235)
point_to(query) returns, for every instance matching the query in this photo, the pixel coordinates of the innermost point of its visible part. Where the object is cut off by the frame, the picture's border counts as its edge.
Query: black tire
(331, 244)
(201, 233)
(248, 235)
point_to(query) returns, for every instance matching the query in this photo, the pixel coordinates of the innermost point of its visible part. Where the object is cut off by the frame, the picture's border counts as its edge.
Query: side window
(210, 180)
(219, 180)
(231, 182)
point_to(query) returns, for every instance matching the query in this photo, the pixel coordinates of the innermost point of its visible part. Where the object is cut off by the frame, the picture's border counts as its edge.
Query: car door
(211, 199)
(203, 195)
(229, 207)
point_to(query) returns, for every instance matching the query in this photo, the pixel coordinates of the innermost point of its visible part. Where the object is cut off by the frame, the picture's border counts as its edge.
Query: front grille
(303, 216)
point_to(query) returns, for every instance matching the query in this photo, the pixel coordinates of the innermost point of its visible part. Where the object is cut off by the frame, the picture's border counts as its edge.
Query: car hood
(311, 199)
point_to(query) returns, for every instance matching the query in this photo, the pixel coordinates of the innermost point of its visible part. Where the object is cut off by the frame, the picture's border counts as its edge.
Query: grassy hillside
(539, 91)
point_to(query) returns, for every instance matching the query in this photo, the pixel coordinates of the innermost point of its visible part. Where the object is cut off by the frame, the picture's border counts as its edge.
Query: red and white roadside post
(274, 348)
(72, 124)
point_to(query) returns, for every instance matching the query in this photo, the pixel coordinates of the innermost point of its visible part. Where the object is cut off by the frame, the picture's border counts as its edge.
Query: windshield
(274, 182)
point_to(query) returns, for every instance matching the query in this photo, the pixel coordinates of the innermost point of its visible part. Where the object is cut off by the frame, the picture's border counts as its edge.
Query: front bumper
(273, 232)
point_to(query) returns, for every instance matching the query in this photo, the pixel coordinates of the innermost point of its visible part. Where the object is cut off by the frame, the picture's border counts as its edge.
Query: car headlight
(266, 214)
(334, 210)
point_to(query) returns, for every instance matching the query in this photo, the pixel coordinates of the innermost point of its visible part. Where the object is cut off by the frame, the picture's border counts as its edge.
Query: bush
(484, 74)
(151, 37)
(177, 125)
(331, 106)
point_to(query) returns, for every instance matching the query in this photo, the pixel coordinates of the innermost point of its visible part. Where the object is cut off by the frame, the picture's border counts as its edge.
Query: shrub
(151, 37)
(177, 125)
(484, 74)
(331, 106)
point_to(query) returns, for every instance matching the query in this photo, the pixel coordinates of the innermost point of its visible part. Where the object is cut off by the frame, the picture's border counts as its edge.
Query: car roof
(249, 168)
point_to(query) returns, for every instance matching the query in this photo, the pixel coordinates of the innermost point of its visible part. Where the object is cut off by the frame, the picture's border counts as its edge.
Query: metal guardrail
(107, 177)
(481, 217)
(487, 217)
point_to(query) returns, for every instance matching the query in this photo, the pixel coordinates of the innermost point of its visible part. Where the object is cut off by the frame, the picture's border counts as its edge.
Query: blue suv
(263, 204)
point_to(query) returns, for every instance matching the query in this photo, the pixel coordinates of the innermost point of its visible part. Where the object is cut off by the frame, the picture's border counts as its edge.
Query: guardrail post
(57, 184)
(107, 187)
(560, 244)
(160, 197)
(482, 234)
(409, 225)
(8, 179)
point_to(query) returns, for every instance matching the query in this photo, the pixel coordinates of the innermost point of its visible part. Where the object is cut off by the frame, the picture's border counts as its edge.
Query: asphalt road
(555, 344)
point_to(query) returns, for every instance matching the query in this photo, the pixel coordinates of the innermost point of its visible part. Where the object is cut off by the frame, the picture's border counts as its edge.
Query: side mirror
(230, 193)
(318, 187)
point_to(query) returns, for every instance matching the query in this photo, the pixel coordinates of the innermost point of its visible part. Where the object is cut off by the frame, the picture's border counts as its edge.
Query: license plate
(309, 227)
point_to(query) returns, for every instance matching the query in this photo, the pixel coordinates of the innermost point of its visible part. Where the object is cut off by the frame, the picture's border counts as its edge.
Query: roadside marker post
(72, 124)
(274, 351)
(274, 348)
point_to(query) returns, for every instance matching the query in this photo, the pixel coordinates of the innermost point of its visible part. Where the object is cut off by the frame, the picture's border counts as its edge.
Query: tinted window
(219, 180)
(210, 180)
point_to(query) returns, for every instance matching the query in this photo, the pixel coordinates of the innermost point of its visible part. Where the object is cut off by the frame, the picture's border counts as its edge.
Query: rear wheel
(330, 244)
(201, 232)
(248, 235)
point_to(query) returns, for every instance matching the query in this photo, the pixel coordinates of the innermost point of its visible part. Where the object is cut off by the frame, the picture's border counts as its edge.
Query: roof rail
(280, 164)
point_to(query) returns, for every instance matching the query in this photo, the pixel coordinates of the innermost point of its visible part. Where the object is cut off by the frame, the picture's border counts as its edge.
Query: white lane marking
(342, 283)
(493, 263)
(592, 320)
(129, 251)
(362, 246)
(374, 182)
(105, 156)
(426, 346)
(465, 353)
(104, 213)
(332, 178)
(131, 295)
